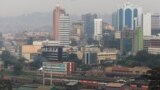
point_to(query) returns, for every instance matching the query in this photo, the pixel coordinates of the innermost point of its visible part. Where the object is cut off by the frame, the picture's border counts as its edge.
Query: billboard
(57, 68)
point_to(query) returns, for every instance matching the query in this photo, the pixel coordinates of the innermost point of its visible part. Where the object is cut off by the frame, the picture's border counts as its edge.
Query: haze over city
(79, 45)
(19, 7)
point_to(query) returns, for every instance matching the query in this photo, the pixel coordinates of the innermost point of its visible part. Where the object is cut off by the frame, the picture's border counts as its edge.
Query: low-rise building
(90, 48)
(154, 50)
(139, 70)
(59, 69)
(120, 69)
(126, 70)
(106, 56)
(30, 51)
(53, 51)
(90, 58)
(151, 42)
(116, 86)
(80, 55)
(139, 87)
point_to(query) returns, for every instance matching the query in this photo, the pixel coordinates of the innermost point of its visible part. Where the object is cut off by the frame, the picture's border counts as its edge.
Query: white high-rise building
(147, 24)
(64, 29)
(97, 29)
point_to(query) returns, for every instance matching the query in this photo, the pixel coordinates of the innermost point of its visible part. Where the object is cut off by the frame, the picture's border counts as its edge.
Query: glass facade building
(131, 41)
(88, 20)
(128, 17)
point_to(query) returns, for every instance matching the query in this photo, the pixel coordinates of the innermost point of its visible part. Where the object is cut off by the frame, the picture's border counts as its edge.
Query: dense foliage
(154, 79)
(10, 60)
(142, 58)
(37, 63)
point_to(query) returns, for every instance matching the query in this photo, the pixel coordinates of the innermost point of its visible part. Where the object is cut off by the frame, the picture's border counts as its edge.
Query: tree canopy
(9, 59)
(37, 63)
(154, 79)
(142, 58)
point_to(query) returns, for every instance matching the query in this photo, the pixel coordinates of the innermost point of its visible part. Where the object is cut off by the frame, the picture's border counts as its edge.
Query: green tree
(73, 58)
(142, 58)
(86, 67)
(37, 63)
(18, 68)
(7, 58)
(54, 88)
(154, 79)
(22, 60)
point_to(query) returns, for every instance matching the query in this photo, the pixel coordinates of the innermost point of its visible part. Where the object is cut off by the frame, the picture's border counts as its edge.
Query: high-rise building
(61, 23)
(139, 38)
(128, 17)
(155, 22)
(131, 41)
(77, 32)
(147, 24)
(64, 29)
(115, 20)
(88, 20)
(97, 29)
(56, 15)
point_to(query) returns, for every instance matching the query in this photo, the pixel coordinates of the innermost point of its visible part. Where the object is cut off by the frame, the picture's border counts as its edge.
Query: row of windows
(129, 15)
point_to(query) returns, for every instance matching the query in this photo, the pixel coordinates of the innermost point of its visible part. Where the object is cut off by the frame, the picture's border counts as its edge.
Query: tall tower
(146, 24)
(56, 15)
(97, 29)
(61, 23)
(88, 20)
(128, 16)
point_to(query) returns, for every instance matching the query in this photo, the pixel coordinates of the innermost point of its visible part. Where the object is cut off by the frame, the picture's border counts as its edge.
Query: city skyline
(19, 7)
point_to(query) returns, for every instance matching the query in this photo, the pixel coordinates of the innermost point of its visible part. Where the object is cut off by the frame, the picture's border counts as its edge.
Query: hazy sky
(18, 7)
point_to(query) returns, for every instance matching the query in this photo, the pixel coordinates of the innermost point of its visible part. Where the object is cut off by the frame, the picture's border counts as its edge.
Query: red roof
(120, 69)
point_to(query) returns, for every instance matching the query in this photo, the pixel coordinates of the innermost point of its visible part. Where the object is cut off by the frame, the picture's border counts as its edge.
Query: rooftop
(117, 85)
(72, 83)
(120, 68)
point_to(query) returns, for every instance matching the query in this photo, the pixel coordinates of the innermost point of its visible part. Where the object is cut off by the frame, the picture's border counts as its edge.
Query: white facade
(117, 35)
(97, 29)
(51, 43)
(64, 29)
(154, 50)
(147, 24)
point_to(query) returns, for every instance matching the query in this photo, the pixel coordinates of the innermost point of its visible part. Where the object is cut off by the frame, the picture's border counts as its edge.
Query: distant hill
(38, 21)
(30, 22)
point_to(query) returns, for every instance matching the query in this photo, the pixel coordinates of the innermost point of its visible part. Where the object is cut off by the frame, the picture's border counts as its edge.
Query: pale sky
(19, 7)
